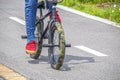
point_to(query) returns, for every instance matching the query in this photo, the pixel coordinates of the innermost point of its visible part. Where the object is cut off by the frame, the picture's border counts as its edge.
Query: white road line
(18, 20)
(86, 49)
(88, 16)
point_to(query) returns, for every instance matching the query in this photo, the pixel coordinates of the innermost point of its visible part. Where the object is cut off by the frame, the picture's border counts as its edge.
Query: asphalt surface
(78, 64)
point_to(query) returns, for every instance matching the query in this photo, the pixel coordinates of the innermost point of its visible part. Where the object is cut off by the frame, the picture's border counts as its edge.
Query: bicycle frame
(53, 12)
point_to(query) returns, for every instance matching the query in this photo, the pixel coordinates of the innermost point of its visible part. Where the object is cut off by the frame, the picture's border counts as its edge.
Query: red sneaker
(31, 47)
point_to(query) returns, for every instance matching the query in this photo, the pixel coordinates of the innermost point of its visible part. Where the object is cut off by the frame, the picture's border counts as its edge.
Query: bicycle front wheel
(57, 51)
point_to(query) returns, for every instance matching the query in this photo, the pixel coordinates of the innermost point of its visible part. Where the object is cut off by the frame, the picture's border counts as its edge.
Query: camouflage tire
(56, 54)
(38, 33)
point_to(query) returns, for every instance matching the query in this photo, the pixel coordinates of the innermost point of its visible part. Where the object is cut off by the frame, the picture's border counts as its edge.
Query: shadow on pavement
(78, 59)
(69, 60)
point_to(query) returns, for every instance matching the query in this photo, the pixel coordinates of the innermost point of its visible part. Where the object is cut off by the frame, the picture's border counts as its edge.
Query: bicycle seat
(41, 5)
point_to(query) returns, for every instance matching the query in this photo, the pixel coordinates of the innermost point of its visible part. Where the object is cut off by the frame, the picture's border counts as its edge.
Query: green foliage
(115, 15)
(108, 9)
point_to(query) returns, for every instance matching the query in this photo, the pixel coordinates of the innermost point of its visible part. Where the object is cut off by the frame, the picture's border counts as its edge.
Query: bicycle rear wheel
(38, 34)
(56, 53)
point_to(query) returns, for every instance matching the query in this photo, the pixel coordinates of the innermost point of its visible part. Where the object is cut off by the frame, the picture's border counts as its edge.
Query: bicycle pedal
(24, 36)
(67, 45)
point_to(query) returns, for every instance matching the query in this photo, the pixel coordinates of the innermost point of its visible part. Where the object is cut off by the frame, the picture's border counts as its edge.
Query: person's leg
(49, 7)
(30, 18)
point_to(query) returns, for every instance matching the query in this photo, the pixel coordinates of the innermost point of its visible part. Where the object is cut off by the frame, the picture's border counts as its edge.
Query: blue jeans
(30, 17)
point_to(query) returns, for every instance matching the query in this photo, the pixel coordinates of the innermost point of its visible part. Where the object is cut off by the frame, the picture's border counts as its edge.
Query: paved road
(89, 39)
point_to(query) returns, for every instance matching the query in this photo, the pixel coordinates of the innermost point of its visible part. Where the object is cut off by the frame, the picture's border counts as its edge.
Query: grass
(108, 9)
